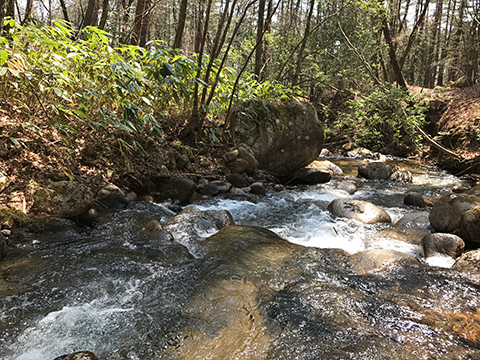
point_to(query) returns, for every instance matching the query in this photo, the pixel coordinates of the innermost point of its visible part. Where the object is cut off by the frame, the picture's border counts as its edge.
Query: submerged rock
(284, 136)
(347, 186)
(307, 176)
(377, 170)
(442, 244)
(417, 220)
(363, 211)
(326, 166)
(377, 260)
(81, 355)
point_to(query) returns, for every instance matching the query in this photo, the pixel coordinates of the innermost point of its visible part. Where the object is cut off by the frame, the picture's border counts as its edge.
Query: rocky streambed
(280, 277)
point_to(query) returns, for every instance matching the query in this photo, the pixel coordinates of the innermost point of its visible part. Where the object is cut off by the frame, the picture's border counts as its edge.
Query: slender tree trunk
(138, 22)
(259, 40)
(304, 44)
(177, 44)
(144, 32)
(28, 12)
(64, 10)
(195, 123)
(105, 10)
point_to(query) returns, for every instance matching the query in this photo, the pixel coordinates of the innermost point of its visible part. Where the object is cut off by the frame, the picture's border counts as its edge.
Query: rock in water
(468, 262)
(377, 170)
(284, 136)
(442, 244)
(81, 355)
(458, 214)
(363, 211)
(110, 197)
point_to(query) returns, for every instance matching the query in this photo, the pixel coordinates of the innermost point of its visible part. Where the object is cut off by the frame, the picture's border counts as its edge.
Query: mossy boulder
(64, 199)
(284, 136)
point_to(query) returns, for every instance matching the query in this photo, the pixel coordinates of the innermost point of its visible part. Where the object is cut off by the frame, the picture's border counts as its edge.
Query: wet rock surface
(363, 211)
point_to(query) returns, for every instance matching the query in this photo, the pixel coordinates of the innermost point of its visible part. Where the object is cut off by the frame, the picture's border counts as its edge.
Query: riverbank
(34, 152)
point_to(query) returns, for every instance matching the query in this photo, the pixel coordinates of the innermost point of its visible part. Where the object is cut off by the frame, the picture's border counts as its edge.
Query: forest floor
(33, 152)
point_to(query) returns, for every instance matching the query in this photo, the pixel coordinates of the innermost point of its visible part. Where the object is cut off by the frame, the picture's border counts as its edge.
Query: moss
(11, 217)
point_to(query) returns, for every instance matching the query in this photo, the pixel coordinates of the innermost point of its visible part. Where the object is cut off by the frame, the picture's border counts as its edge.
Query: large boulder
(64, 199)
(458, 214)
(284, 136)
(377, 170)
(363, 211)
(442, 244)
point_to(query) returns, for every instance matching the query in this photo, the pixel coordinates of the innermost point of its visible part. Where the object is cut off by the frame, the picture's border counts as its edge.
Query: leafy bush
(386, 120)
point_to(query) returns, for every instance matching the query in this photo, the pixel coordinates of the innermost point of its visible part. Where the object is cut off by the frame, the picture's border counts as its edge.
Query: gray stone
(111, 197)
(257, 188)
(63, 199)
(363, 211)
(237, 180)
(414, 199)
(377, 170)
(347, 186)
(176, 188)
(284, 136)
(442, 244)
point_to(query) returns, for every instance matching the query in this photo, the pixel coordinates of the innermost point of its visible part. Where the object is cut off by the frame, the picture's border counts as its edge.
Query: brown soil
(454, 122)
(33, 153)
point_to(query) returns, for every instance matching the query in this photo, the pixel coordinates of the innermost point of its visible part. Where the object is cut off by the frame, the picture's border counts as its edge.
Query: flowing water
(124, 292)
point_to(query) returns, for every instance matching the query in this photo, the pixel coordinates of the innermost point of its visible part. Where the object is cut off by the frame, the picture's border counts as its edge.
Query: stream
(124, 292)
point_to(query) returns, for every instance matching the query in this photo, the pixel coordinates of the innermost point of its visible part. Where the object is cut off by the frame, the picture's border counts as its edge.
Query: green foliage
(385, 120)
(114, 91)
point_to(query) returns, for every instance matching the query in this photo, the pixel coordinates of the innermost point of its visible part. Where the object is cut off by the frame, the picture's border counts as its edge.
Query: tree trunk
(144, 32)
(91, 16)
(64, 10)
(392, 55)
(28, 12)
(259, 40)
(103, 19)
(177, 44)
(304, 44)
(138, 22)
